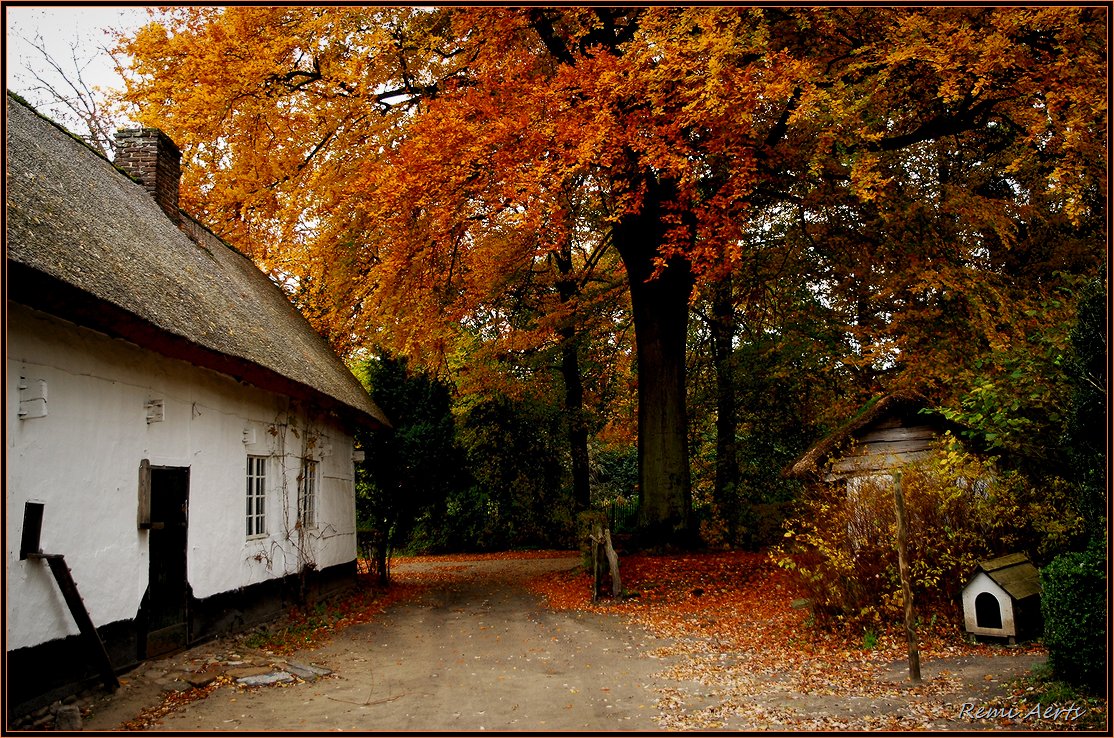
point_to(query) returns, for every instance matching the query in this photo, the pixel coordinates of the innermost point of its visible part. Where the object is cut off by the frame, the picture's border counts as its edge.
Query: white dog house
(1002, 599)
(179, 441)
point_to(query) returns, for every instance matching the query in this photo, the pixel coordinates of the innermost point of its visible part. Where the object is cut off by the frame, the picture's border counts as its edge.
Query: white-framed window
(307, 495)
(257, 496)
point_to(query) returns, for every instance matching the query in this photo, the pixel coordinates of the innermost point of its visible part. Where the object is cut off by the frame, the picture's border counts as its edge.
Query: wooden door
(167, 606)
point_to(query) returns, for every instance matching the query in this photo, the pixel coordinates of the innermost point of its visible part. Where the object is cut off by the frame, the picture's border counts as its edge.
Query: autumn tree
(765, 372)
(394, 165)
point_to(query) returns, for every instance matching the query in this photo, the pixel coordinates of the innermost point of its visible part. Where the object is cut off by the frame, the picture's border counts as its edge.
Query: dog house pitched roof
(1013, 573)
(87, 243)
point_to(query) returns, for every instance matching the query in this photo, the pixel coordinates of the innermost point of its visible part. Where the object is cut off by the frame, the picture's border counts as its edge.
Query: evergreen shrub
(1073, 602)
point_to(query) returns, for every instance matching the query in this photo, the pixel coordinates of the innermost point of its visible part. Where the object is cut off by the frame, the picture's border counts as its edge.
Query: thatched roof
(879, 407)
(87, 243)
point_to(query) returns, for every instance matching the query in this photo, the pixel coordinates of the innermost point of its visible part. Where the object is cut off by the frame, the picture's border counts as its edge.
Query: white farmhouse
(175, 429)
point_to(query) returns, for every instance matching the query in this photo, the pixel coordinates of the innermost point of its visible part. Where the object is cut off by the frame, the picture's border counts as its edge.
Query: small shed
(1002, 599)
(888, 433)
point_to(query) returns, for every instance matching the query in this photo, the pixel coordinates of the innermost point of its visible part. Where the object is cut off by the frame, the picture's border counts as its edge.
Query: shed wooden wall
(888, 444)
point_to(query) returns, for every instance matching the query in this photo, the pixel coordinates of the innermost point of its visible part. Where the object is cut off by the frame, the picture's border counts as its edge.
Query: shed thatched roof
(87, 243)
(879, 407)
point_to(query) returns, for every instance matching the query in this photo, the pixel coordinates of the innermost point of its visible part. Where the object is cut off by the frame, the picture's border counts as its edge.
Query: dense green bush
(1073, 603)
(518, 459)
(1085, 432)
(488, 474)
(614, 473)
(410, 468)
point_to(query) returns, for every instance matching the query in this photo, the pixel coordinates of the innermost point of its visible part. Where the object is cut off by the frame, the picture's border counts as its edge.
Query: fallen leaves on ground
(310, 626)
(174, 700)
(747, 659)
(469, 557)
(445, 570)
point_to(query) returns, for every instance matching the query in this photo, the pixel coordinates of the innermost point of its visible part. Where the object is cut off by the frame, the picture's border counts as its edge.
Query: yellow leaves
(952, 45)
(866, 182)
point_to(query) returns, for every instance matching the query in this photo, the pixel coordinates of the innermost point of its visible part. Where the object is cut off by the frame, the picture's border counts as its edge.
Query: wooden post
(603, 555)
(612, 564)
(906, 584)
(80, 615)
(143, 513)
(596, 537)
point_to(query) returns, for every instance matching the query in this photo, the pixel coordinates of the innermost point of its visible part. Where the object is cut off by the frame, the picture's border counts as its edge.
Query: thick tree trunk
(726, 491)
(660, 308)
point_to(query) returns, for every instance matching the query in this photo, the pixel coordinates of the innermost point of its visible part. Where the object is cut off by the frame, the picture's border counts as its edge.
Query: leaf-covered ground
(742, 651)
(762, 664)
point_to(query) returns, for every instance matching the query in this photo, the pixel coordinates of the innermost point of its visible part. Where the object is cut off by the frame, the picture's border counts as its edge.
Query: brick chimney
(148, 155)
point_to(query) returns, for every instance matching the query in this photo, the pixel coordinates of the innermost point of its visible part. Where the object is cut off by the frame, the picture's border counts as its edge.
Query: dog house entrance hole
(988, 613)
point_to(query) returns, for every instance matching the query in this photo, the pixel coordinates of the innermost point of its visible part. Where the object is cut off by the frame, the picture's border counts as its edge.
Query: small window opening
(307, 495)
(257, 496)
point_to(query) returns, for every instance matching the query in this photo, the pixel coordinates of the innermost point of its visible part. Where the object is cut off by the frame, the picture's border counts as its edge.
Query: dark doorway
(167, 600)
(988, 614)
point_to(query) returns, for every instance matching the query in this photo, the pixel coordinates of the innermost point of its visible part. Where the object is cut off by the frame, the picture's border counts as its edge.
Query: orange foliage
(466, 185)
(402, 168)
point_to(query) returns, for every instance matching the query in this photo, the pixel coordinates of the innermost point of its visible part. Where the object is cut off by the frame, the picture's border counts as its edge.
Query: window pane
(256, 495)
(307, 494)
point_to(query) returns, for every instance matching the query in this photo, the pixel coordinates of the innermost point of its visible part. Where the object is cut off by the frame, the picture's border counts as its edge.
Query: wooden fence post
(596, 538)
(906, 584)
(612, 564)
(603, 554)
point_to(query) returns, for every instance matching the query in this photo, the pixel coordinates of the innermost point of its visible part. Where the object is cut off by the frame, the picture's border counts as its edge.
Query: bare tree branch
(86, 104)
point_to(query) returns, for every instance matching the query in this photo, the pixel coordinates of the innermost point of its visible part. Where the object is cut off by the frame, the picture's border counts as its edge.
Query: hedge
(1073, 603)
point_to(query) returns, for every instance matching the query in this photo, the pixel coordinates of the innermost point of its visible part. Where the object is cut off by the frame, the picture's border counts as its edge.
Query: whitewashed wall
(82, 460)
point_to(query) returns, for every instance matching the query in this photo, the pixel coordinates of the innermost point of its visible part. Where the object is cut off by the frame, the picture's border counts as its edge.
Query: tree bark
(906, 584)
(574, 387)
(660, 308)
(578, 428)
(726, 491)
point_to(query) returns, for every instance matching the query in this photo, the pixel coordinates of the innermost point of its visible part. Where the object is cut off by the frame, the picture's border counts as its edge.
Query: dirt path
(477, 651)
(474, 653)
